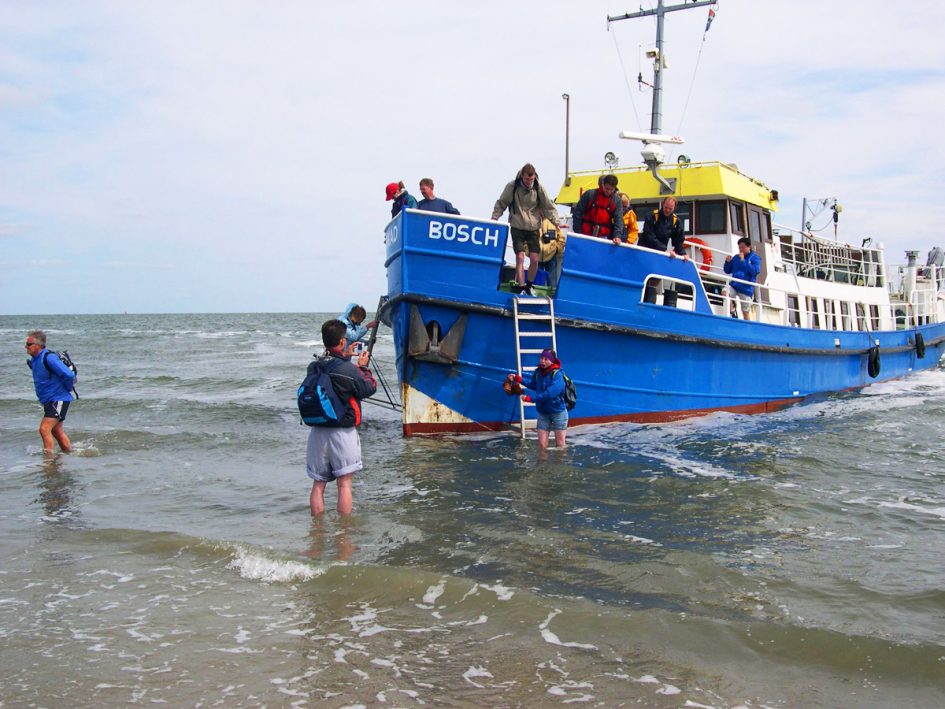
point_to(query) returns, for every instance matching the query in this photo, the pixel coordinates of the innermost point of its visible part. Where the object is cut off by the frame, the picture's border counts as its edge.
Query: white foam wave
(903, 503)
(257, 567)
(503, 593)
(475, 671)
(434, 592)
(553, 639)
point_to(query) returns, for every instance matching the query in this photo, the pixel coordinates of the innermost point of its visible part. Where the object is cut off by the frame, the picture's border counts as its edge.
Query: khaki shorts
(525, 241)
(332, 453)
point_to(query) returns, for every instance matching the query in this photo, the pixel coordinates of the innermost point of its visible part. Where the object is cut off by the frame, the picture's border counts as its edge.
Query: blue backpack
(319, 404)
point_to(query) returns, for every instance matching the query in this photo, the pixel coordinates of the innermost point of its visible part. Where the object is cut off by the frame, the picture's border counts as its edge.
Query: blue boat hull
(630, 360)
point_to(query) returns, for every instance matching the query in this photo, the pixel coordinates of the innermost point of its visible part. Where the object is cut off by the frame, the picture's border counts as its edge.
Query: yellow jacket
(630, 221)
(554, 247)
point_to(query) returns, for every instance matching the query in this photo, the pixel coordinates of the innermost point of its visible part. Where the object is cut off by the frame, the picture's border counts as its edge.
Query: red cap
(392, 190)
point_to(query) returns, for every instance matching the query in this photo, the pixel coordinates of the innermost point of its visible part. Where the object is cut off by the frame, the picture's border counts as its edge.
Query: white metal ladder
(534, 331)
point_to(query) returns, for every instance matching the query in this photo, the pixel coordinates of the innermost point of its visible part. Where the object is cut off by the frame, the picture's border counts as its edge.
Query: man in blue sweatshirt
(432, 203)
(53, 382)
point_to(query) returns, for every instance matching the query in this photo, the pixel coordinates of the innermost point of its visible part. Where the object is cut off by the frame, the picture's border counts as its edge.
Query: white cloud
(241, 145)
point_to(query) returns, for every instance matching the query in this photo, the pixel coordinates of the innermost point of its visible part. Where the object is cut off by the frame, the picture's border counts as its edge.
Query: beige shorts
(332, 453)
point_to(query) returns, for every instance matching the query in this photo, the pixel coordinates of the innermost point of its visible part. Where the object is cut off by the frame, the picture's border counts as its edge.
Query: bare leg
(316, 499)
(542, 439)
(344, 495)
(532, 266)
(59, 433)
(560, 436)
(520, 267)
(45, 432)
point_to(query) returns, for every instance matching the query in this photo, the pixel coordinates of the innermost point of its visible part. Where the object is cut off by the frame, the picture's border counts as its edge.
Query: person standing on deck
(527, 202)
(631, 229)
(662, 227)
(402, 199)
(745, 265)
(599, 212)
(432, 203)
(53, 382)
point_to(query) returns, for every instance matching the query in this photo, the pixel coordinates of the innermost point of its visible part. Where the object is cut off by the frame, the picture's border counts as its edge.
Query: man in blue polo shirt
(53, 382)
(432, 203)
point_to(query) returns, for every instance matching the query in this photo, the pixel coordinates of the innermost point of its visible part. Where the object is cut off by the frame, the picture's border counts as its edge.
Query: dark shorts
(525, 241)
(56, 410)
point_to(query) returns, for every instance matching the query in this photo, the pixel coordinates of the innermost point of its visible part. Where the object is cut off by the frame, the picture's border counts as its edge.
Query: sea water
(788, 559)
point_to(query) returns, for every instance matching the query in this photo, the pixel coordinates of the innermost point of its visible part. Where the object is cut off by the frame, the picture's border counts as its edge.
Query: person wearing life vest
(631, 229)
(599, 212)
(745, 266)
(397, 192)
(662, 227)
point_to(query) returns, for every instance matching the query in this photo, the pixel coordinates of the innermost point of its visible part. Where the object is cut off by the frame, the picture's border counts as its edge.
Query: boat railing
(915, 291)
(811, 256)
(840, 315)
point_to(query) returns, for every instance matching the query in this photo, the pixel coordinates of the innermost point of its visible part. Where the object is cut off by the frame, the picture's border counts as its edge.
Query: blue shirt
(354, 332)
(437, 205)
(746, 269)
(55, 385)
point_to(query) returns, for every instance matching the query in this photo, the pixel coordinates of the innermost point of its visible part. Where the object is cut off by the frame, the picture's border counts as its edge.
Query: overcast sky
(228, 156)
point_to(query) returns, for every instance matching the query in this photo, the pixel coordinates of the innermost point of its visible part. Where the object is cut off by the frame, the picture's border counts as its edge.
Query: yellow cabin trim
(707, 180)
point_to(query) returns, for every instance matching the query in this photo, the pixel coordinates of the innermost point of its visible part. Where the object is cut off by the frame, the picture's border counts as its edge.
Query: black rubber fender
(873, 365)
(919, 345)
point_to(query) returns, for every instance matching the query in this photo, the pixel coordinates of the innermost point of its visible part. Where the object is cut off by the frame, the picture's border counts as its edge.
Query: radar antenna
(653, 154)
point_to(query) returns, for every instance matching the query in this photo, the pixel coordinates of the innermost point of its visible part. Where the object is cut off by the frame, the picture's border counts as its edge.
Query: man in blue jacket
(745, 266)
(53, 382)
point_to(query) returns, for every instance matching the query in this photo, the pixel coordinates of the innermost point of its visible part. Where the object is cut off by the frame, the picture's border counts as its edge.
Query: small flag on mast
(709, 21)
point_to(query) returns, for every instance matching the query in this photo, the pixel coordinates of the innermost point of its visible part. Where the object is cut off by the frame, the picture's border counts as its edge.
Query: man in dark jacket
(334, 452)
(662, 227)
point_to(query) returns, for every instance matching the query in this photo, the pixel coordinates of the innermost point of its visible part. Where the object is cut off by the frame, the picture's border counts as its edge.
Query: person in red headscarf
(546, 390)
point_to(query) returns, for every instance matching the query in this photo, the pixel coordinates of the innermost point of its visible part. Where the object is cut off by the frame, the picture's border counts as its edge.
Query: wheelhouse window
(737, 217)
(759, 225)
(710, 217)
(643, 211)
(683, 211)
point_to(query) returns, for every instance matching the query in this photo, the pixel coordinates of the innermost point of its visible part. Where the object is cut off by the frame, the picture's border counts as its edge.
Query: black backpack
(570, 392)
(70, 365)
(319, 404)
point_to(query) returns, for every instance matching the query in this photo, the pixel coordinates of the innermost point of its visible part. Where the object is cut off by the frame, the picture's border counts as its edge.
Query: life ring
(706, 254)
(872, 365)
(919, 345)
